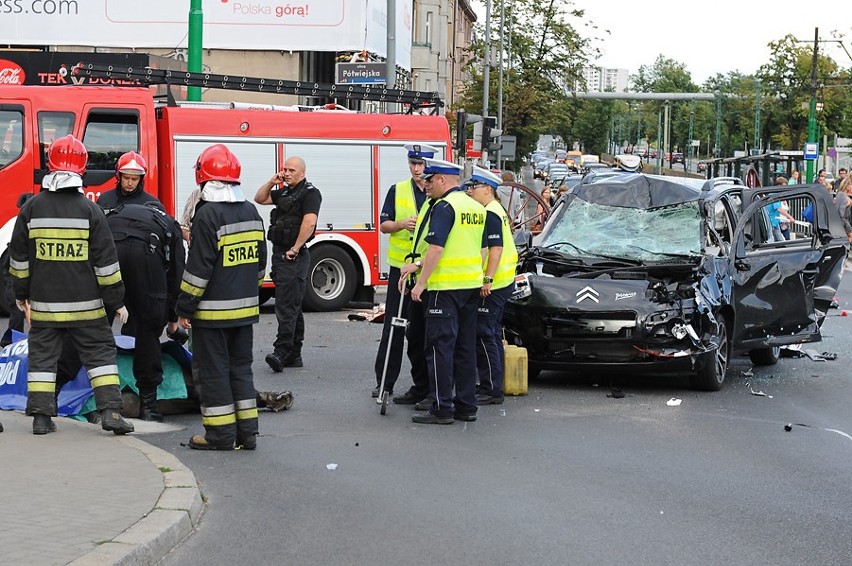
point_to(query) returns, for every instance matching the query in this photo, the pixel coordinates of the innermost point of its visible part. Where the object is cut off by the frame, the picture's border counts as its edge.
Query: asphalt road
(564, 475)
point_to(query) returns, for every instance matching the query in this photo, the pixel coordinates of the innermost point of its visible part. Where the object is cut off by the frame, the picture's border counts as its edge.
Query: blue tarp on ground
(74, 396)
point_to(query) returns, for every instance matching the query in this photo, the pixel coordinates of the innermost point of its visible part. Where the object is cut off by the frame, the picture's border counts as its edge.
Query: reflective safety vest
(399, 244)
(421, 228)
(505, 274)
(460, 266)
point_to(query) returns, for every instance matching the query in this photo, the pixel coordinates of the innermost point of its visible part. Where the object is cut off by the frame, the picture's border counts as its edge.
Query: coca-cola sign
(11, 73)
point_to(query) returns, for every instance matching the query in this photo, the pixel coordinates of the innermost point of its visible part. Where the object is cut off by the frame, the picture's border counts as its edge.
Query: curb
(172, 519)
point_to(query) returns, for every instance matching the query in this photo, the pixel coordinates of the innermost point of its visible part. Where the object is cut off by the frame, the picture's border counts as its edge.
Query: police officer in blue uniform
(449, 280)
(398, 218)
(498, 283)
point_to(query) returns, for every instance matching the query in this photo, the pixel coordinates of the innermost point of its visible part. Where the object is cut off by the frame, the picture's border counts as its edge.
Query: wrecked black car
(662, 275)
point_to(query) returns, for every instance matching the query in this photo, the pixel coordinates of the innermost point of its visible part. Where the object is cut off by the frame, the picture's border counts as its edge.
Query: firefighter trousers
(145, 290)
(95, 347)
(221, 364)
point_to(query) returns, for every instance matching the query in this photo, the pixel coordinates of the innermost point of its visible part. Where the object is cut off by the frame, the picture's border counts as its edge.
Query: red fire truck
(352, 157)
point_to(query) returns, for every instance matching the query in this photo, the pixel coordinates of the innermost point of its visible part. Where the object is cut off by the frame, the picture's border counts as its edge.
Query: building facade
(442, 33)
(602, 79)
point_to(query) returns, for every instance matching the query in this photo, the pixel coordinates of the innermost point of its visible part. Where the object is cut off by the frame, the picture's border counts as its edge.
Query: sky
(707, 37)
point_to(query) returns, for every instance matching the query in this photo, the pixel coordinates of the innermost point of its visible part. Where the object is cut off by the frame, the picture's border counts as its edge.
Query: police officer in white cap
(449, 279)
(497, 285)
(399, 215)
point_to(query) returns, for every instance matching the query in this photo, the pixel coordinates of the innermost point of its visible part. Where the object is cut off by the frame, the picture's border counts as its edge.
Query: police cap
(417, 152)
(483, 176)
(440, 167)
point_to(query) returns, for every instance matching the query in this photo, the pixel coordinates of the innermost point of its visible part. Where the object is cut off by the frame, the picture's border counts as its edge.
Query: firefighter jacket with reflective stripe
(399, 244)
(460, 266)
(225, 267)
(63, 260)
(505, 274)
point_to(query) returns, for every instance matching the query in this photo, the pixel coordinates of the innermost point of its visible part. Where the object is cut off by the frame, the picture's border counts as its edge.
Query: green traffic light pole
(196, 25)
(812, 128)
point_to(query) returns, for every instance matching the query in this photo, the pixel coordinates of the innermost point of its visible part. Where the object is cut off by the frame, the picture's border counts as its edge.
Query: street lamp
(809, 169)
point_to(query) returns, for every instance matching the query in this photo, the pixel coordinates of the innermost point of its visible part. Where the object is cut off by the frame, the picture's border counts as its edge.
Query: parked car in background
(677, 157)
(650, 274)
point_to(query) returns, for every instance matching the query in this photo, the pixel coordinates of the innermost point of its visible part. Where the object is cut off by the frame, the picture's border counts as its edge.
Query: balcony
(422, 56)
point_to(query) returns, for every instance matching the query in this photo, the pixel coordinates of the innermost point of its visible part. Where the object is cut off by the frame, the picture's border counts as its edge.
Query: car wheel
(711, 376)
(765, 356)
(331, 280)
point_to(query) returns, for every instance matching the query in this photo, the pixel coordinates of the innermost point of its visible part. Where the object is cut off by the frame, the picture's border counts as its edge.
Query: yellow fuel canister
(515, 370)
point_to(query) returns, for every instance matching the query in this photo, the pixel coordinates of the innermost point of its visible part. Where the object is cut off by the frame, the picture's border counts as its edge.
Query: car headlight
(523, 288)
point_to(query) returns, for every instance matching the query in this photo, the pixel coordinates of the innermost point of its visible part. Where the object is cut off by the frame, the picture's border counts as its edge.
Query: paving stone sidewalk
(84, 496)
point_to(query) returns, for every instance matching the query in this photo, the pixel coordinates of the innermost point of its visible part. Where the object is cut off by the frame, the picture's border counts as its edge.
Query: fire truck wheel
(331, 279)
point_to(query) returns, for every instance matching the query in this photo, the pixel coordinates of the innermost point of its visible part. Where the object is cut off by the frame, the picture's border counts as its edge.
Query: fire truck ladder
(415, 100)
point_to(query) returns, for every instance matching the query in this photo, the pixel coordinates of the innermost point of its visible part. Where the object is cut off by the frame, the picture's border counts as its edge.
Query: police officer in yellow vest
(449, 280)
(399, 214)
(497, 285)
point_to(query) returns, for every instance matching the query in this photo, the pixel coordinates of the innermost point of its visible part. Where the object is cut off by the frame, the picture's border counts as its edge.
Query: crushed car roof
(640, 191)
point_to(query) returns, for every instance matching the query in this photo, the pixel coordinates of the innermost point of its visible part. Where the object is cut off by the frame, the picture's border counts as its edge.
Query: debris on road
(377, 315)
(674, 402)
(616, 393)
(331, 466)
(757, 393)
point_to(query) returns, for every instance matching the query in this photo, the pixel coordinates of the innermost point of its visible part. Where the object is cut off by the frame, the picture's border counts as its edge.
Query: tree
(548, 55)
(787, 81)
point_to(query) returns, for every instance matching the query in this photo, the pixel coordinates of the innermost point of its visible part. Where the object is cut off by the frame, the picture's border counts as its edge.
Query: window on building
(429, 23)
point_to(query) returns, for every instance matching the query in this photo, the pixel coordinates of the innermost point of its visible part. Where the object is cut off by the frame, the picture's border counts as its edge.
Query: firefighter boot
(111, 419)
(199, 442)
(247, 443)
(148, 410)
(43, 424)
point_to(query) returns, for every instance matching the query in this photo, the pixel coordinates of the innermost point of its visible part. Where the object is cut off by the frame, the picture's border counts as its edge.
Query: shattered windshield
(657, 234)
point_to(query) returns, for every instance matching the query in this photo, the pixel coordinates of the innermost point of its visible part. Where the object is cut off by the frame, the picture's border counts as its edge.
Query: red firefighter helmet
(131, 163)
(217, 163)
(67, 154)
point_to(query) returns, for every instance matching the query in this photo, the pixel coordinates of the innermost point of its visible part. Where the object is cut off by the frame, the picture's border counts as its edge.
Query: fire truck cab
(352, 158)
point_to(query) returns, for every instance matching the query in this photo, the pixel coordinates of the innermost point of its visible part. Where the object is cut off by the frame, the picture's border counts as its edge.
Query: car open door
(782, 288)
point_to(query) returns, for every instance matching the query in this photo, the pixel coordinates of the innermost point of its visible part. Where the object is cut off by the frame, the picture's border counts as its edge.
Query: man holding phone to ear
(291, 226)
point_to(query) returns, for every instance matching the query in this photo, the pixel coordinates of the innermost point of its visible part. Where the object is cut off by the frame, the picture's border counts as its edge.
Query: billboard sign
(305, 25)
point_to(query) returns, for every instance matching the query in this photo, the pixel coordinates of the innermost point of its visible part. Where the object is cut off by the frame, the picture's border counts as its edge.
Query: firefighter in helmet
(67, 279)
(151, 258)
(219, 301)
(130, 172)
(151, 255)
